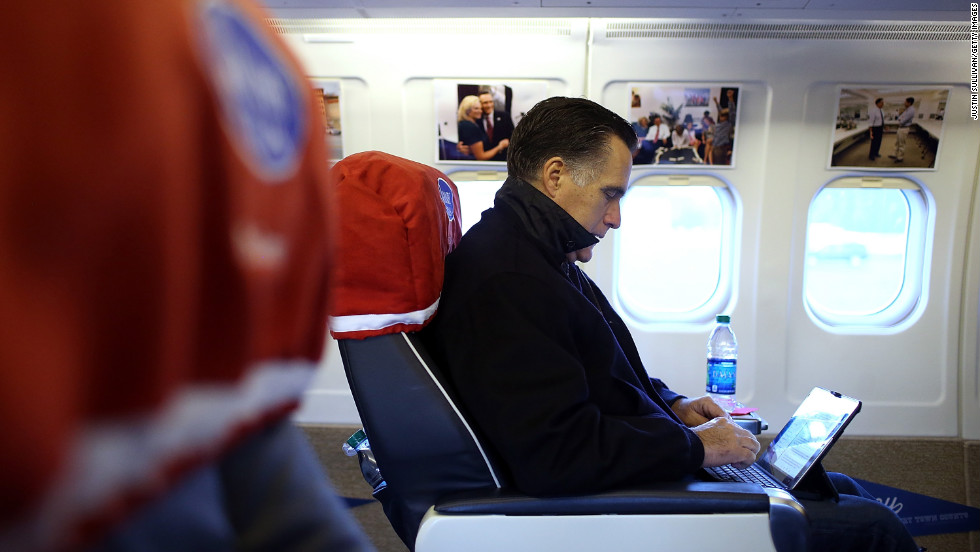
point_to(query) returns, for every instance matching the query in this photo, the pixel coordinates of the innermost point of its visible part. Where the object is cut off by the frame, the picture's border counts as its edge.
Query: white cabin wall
(970, 331)
(786, 112)
(909, 379)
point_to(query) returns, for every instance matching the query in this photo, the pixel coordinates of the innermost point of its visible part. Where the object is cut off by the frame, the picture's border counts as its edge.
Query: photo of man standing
(497, 123)
(876, 127)
(904, 122)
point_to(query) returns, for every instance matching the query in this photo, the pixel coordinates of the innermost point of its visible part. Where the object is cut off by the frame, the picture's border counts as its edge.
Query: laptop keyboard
(751, 474)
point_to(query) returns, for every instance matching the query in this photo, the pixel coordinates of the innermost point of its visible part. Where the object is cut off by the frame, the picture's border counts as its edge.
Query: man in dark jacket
(540, 359)
(549, 372)
(497, 124)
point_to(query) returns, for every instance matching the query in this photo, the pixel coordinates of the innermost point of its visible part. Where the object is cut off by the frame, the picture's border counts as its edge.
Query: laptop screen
(805, 439)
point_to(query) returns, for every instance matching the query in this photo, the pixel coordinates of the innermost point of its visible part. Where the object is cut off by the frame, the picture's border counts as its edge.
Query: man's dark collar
(548, 224)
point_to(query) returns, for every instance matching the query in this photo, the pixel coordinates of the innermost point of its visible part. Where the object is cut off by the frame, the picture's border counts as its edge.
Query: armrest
(684, 497)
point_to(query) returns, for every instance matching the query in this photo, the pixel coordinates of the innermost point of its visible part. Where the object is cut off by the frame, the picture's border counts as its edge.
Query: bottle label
(721, 376)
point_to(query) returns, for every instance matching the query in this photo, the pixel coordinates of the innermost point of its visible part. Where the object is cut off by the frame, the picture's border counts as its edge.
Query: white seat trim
(362, 322)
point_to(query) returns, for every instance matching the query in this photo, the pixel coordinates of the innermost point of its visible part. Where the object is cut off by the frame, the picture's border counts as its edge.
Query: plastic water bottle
(722, 363)
(357, 444)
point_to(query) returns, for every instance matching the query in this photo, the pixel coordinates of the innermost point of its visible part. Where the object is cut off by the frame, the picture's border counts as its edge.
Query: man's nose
(613, 216)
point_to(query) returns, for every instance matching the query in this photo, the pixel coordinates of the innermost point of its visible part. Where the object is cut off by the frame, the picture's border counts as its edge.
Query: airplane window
(476, 191)
(865, 252)
(674, 249)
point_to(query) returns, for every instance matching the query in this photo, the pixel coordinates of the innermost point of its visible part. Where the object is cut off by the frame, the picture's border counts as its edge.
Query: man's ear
(551, 174)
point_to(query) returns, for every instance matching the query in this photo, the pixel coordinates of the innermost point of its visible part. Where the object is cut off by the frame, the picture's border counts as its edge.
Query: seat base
(623, 533)
(708, 516)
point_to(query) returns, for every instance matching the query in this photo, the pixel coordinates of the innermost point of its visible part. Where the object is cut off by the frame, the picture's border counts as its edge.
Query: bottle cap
(356, 438)
(723, 318)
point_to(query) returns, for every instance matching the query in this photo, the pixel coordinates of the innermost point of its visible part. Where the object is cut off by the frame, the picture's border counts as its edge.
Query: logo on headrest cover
(446, 193)
(261, 100)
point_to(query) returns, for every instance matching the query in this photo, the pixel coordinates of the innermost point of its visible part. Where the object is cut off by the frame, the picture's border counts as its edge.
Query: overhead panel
(885, 7)
(699, 4)
(657, 28)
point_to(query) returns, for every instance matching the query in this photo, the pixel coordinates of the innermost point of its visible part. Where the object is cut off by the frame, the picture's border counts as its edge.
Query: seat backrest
(424, 447)
(398, 220)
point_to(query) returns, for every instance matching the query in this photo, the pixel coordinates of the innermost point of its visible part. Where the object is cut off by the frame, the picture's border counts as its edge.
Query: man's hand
(725, 442)
(694, 412)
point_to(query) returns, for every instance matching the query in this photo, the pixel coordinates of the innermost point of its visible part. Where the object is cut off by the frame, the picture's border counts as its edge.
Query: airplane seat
(397, 220)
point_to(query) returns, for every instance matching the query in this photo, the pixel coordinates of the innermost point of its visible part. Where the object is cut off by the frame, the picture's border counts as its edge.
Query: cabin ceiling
(719, 10)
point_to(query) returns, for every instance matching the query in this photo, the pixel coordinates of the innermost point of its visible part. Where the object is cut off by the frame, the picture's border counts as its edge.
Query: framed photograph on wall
(327, 94)
(684, 124)
(888, 127)
(475, 119)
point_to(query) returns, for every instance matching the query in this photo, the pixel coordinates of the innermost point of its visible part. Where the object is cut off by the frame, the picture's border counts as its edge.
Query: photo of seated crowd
(683, 125)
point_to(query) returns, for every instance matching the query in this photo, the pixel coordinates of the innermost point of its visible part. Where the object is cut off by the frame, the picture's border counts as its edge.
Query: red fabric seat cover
(398, 221)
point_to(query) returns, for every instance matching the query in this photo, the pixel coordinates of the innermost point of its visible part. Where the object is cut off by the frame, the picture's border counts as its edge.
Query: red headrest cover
(398, 221)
